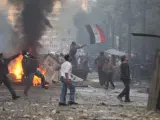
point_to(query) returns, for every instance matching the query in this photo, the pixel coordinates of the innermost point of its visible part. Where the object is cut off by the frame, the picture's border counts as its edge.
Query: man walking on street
(4, 72)
(108, 68)
(100, 62)
(125, 77)
(66, 69)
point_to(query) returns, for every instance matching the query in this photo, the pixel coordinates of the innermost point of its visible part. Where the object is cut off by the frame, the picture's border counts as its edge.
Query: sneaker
(62, 104)
(119, 98)
(106, 88)
(15, 97)
(127, 100)
(45, 86)
(25, 95)
(72, 103)
(1, 83)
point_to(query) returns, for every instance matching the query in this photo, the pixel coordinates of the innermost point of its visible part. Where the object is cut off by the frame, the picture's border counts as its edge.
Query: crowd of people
(68, 62)
(106, 70)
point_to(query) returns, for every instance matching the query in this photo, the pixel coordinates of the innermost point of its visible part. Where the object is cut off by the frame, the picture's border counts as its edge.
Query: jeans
(71, 87)
(4, 79)
(28, 83)
(125, 91)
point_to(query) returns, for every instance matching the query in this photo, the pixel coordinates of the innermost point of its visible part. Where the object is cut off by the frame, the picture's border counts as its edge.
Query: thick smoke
(34, 22)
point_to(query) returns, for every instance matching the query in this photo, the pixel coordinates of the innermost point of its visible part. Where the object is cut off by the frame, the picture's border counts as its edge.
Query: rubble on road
(94, 104)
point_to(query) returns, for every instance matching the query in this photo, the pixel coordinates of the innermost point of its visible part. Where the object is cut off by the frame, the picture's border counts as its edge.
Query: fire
(37, 80)
(15, 68)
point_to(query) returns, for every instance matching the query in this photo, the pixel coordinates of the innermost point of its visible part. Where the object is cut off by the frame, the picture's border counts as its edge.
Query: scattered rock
(26, 116)
(21, 110)
(44, 106)
(107, 118)
(48, 118)
(123, 115)
(9, 118)
(34, 116)
(84, 116)
(9, 103)
(40, 113)
(34, 105)
(70, 118)
(73, 107)
(103, 104)
(54, 111)
(12, 110)
(57, 111)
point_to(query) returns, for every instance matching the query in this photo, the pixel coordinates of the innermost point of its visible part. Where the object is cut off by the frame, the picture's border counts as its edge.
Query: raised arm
(79, 47)
(8, 60)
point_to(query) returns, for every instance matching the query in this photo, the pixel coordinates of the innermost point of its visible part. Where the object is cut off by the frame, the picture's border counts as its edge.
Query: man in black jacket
(125, 77)
(29, 65)
(4, 72)
(27, 58)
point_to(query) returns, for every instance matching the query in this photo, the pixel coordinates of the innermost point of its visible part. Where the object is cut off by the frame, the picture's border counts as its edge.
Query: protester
(100, 62)
(73, 50)
(85, 67)
(66, 69)
(29, 64)
(108, 68)
(125, 77)
(4, 72)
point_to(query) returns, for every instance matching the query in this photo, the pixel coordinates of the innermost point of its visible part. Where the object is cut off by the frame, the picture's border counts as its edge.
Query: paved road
(94, 103)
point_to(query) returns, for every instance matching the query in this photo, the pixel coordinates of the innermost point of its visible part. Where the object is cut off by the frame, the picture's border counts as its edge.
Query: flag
(96, 34)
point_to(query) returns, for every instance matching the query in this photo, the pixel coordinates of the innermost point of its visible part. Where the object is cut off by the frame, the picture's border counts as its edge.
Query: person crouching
(66, 69)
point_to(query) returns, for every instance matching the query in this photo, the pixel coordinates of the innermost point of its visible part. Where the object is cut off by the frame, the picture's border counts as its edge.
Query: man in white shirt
(66, 69)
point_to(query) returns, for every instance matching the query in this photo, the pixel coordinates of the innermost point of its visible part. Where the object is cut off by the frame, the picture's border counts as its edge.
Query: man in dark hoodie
(125, 77)
(4, 72)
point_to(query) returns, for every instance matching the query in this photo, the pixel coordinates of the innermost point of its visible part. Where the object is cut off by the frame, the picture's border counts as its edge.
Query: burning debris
(16, 71)
(30, 25)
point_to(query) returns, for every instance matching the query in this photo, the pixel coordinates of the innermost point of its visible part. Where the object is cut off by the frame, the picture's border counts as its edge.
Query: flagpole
(129, 31)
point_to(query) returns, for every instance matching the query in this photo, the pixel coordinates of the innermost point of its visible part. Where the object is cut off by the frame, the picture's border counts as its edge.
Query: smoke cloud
(34, 22)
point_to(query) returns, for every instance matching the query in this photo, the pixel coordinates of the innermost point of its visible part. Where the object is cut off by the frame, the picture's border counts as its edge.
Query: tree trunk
(154, 92)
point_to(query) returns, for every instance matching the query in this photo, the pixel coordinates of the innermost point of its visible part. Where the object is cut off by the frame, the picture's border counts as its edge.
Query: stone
(83, 116)
(26, 116)
(9, 103)
(70, 118)
(40, 113)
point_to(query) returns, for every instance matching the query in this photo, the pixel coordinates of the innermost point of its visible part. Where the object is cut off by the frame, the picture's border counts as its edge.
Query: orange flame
(15, 68)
